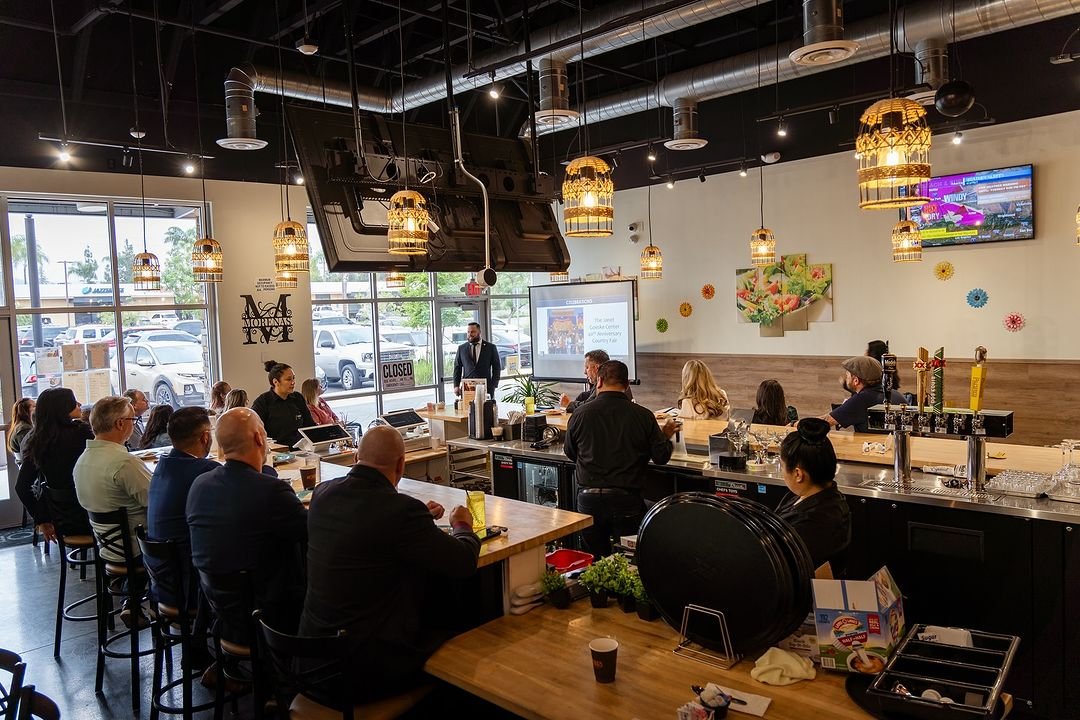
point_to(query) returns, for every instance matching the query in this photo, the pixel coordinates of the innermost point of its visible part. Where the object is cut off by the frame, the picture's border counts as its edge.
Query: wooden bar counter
(538, 665)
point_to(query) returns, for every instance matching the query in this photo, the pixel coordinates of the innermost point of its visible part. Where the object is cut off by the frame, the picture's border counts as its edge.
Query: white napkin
(781, 667)
(755, 704)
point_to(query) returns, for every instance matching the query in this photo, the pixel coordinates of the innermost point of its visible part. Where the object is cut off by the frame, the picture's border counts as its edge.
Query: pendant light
(587, 190)
(1078, 226)
(291, 252)
(206, 255)
(762, 240)
(559, 277)
(906, 242)
(893, 148)
(145, 267)
(652, 260)
(408, 217)
(395, 280)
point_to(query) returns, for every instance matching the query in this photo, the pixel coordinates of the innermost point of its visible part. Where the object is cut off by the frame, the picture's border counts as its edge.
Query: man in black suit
(477, 359)
(371, 554)
(241, 518)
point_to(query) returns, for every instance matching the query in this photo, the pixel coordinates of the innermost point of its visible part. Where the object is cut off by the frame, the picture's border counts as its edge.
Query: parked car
(346, 353)
(49, 333)
(28, 373)
(416, 339)
(192, 327)
(170, 373)
(166, 318)
(328, 319)
(158, 336)
(82, 334)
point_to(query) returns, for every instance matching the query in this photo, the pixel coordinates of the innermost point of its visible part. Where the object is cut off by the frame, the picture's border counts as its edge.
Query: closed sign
(397, 374)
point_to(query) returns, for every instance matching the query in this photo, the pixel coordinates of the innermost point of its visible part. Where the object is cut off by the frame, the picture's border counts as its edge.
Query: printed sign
(264, 284)
(397, 374)
(267, 322)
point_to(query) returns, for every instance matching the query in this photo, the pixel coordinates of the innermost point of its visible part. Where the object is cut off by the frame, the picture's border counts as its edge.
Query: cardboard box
(73, 357)
(858, 617)
(803, 642)
(97, 356)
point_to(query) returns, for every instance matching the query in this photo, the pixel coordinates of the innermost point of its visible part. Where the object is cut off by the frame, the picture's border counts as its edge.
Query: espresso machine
(929, 417)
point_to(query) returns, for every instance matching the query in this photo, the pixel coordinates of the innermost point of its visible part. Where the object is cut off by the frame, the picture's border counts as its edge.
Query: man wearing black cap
(862, 377)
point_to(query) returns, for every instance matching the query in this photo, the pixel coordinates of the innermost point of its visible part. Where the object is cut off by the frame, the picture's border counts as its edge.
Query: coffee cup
(605, 653)
(309, 476)
(497, 432)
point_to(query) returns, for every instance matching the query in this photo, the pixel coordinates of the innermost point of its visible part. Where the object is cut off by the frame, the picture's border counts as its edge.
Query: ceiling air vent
(823, 35)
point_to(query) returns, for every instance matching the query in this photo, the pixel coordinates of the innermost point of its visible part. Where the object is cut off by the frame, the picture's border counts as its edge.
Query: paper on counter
(755, 704)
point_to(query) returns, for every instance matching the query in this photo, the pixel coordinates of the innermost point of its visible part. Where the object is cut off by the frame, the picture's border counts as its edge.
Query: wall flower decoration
(944, 270)
(708, 291)
(661, 325)
(977, 298)
(686, 309)
(1014, 322)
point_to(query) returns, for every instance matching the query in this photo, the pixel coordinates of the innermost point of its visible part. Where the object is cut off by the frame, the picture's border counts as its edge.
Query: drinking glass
(1070, 463)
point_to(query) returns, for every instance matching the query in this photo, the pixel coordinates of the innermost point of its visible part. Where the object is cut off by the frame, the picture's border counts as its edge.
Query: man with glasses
(593, 360)
(108, 477)
(141, 405)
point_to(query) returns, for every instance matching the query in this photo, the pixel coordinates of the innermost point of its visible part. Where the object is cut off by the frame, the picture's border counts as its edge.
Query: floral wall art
(784, 296)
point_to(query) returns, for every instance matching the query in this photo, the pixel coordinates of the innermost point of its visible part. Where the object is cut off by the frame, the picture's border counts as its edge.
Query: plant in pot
(554, 586)
(523, 386)
(645, 609)
(592, 579)
(624, 588)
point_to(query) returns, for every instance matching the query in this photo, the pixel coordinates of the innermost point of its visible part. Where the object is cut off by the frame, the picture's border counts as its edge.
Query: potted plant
(624, 588)
(645, 609)
(554, 586)
(592, 579)
(523, 386)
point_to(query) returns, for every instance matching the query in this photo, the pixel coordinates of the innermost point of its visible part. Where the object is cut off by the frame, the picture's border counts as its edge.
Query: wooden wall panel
(1044, 394)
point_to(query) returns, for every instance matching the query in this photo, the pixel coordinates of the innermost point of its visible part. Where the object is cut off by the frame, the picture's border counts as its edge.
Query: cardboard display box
(859, 622)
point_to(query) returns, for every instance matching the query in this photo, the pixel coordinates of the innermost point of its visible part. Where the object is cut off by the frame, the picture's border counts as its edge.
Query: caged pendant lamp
(395, 280)
(652, 260)
(906, 242)
(291, 251)
(145, 267)
(893, 148)
(206, 255)
(762, 247)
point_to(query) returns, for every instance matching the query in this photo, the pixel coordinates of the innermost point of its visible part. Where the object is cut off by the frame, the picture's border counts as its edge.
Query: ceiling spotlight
(64, 154)
(670, 182)
(299, 179)
(834, 114)
(701, 175)
(137, 132)
(306, 46)
(494, 92)
(742, 170)
(781, 128)
(957, 138)
(189, 167)
(651, 156)
(127, 159)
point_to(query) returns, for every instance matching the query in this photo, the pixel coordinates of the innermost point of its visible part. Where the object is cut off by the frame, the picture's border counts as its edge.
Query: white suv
(169, 373)
(164, 318)
(87, 333)
(346, 353)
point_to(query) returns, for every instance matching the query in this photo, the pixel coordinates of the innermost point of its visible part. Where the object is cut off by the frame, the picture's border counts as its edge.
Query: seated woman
(701, 398)
(815, 507)
(877, 348)
(22, 421)
(235, 399)
(217, 397)
(320, 410)
(156, 433)
(770, 406)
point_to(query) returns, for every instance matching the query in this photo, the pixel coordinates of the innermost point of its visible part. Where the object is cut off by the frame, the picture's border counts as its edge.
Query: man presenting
(593, 360)
(372, 553)
(612, 440)
(862, 377)
(477, 358)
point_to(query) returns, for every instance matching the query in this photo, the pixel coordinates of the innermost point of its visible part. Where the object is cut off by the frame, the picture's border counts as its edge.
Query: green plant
(605, 574)
(523, 386)
(552, 581)
(638, 589)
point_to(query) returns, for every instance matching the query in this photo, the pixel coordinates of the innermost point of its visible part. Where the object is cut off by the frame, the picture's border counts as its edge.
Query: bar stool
(36, 706)
(173, 625)
(75, 552)
(111, 584)
(9, 696)
(232, 597)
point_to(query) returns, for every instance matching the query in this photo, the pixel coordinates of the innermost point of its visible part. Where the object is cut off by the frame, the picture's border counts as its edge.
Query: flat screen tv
(977, 207)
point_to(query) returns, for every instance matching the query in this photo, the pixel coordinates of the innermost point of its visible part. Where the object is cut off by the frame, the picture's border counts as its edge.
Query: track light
(137, 132)
(64, 154)
(834, 115)
(493, 92)
(299, 179)
(651, 157)
(742, 170)
(957, 138)
(670, 182)
(127, 159)
(701, 175)
(781, 128)
(189, 167)
(307, 46)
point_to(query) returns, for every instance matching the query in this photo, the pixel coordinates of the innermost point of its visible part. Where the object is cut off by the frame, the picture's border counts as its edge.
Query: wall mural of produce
(784, 296)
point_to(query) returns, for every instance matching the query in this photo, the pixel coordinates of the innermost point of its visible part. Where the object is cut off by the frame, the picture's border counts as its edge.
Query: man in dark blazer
(373, 553)
(477, 358)
(241, 518)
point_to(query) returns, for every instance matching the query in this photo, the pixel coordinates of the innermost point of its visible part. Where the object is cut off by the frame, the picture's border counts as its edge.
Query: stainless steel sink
(932, 485)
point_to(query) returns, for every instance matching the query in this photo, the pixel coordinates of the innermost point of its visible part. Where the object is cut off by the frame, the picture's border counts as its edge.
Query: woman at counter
(814, 506)
(22, 421)
(770, 406)
(701, 398)
(157, 428)
(282, 410)
(217, 397)
(320, 410)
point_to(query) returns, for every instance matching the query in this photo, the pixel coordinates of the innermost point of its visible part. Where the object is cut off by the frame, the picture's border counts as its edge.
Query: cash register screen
(324, 433)
(402, 418)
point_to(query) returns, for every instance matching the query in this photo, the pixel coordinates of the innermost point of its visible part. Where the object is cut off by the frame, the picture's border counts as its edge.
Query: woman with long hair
(22, 420)
(156, 433)
(56, 441)
(217, 397)
(770, 406)
(320, 410)
(235, 399)
(701, 398)
(282, 410)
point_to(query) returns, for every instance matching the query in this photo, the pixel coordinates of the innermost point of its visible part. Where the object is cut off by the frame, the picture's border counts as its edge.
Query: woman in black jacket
(49, 454)
(282, 409)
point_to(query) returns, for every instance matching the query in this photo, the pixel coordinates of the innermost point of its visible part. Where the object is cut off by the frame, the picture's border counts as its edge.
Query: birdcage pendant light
(906, 242)
(762, 247)
(146, 272)
(562, 276)
(652, 263)
(893, 148)
(587, 194)
(206, 260)
(291, 247)
(408, 221)
(395, 280)
(285, 279)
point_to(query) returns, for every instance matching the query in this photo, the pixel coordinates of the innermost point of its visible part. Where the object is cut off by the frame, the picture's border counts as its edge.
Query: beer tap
(976, 450)
(901, 425)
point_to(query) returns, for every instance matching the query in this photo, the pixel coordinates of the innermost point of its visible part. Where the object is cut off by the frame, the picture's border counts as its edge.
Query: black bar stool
(36, 706)
(9, 696)
(124, 579)
(75, 552)
(232, 598)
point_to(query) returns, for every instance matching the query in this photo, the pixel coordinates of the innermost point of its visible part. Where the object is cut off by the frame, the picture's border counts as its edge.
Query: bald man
(372, 554)
(242, 517)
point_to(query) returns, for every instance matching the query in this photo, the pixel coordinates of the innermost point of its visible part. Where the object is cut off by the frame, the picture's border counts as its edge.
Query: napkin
(782, 667)
(755, 704)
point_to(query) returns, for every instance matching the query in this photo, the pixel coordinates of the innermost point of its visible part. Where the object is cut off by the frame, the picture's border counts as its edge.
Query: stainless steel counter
(855, 479)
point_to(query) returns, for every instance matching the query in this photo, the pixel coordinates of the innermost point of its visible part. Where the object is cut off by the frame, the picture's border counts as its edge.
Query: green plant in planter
(523, 386)
(552, 581)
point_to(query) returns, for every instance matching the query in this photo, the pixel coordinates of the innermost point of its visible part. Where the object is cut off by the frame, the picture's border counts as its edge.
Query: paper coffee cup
(605, 653)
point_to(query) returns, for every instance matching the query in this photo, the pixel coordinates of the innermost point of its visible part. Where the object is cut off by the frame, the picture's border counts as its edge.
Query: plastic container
(565, 560)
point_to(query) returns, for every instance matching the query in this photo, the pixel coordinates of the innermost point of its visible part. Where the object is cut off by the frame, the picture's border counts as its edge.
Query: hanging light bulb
(906, 242)
(559, 277)
(893, 149)
(587, 193)
(291, 248)
(285, 279)
(206, 260)
(651, 156)
(395, 280)
(670, 184)
(957, 138)
(189, 167)
(781, 127)
(742, 170)
(408, 221)
(146, 272)
(65, 154)
(652, 263)
(762, 247)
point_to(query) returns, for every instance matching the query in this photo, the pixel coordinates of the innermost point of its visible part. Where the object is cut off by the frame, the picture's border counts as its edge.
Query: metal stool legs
(71, 556)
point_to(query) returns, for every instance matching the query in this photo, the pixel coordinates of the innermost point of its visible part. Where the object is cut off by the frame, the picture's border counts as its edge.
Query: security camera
(770, 158)
(634, 239)
(633, 227)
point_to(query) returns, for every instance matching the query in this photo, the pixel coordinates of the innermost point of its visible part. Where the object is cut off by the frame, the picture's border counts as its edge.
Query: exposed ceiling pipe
(685, 127)
(823, 35)
(240, 113)
(931, 68)
(973, 18)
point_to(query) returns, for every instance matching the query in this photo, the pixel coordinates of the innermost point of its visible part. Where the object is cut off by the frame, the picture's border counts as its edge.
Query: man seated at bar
(241, 518)
(612, 440)
(862, 377)
(593, 360)
(372, 554)
(814, 506)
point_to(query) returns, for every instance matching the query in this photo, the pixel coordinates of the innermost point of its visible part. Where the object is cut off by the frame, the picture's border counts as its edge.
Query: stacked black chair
(33, 705)
(9, 694)
(75, 552)
(116, 581)
(173, 626)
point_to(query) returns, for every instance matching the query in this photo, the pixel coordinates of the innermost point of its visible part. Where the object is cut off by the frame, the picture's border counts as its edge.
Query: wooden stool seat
(235, 649)
(116, 570)
(79, 541)
(304, 708)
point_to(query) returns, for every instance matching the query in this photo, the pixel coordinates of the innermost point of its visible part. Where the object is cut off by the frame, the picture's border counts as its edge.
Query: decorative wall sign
(944, 270)
(708, 291)
(784, 296)
(978, 298)
(686, 309)
(267, 322)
